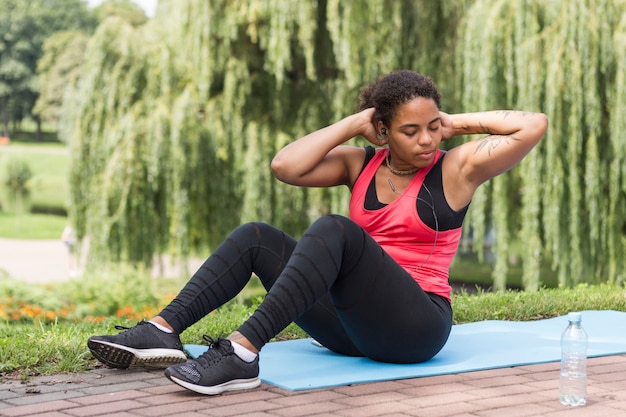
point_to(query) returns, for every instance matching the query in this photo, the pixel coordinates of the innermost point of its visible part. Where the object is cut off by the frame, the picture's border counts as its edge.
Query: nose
(424, 138)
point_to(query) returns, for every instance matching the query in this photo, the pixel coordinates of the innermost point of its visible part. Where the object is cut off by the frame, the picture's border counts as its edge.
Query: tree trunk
(39, 136)
(5, 116)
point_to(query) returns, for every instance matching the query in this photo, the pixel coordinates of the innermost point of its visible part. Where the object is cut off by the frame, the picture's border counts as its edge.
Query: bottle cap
(574, 316)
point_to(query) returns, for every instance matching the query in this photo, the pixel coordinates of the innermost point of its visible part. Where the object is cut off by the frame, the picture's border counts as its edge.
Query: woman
(374, 285)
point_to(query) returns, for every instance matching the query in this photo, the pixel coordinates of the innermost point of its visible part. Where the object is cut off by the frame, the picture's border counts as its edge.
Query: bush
(17, 182)
(122, 294)
(45, 209)
(22, 301)
(18, 175)
(121, 291)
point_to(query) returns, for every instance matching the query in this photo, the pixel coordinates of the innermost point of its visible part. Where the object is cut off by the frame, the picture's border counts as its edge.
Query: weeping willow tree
(174, 123)
(567, 200)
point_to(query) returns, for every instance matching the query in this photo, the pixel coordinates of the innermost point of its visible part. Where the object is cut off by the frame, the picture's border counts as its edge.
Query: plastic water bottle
(573, 380)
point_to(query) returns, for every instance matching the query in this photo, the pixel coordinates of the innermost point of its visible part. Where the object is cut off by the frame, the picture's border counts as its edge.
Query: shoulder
(458, 190)
(355, 159)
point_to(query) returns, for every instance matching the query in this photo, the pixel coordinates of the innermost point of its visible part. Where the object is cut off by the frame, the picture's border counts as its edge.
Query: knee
(251, 230)
(334, 222)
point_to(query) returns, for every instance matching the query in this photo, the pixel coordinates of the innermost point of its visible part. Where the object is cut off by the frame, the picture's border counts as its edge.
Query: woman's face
(415, 133)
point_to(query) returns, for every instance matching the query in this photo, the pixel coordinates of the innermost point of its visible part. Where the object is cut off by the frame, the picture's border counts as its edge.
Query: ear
(381, 128)
(382, 135)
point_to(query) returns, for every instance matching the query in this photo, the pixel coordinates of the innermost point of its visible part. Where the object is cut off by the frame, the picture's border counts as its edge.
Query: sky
(148, 5)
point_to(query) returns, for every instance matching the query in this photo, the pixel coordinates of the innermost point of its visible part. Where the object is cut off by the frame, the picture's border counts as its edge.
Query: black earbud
(383, 131)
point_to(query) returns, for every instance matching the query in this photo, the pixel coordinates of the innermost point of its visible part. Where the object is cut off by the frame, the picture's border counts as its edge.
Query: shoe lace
(120, 327)
(218, 348)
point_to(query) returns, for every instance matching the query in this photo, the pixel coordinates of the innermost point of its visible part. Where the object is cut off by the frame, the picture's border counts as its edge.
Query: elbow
(279, 168)
(541, 125)
(536, 128)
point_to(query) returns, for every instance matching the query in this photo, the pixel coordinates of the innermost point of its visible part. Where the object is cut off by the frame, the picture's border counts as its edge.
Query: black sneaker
(217, 370)
(142, 346)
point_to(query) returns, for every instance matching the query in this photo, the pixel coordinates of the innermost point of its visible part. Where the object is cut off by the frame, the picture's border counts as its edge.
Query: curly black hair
(394, 89)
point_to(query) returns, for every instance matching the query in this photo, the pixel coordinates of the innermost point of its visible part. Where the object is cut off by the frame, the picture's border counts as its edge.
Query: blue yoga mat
(300, 365)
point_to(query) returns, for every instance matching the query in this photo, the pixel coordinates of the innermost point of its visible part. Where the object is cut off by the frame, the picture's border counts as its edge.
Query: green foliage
(173, 123)
(18, 176)
(17, 183)
(122, 293)
(18, 292)
(25, 25)
(106, 292)
(124, 9)
(58, 68)
(566, 200)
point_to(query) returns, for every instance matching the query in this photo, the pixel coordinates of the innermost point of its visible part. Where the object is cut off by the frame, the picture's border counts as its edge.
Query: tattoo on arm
(504, 113)
(493, 140)
(490, 143)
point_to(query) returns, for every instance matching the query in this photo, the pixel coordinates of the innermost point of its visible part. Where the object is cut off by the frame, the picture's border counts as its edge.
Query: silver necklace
(396, 171)
(432, 207)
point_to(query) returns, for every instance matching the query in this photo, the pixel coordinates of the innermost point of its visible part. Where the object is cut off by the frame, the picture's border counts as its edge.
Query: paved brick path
(510, 392)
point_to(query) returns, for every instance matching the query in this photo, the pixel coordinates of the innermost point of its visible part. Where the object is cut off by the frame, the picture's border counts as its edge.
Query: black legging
(336, 283)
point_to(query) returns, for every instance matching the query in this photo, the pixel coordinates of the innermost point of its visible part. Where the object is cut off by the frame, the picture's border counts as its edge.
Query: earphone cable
(432, 208)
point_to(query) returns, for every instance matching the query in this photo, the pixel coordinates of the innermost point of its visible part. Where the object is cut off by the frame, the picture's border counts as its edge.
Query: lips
(426, 155)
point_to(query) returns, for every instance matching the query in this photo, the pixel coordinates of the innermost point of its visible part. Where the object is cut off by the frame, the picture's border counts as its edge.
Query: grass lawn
(31, 226)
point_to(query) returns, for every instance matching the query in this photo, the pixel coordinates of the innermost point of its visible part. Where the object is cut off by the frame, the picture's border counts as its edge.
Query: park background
(152, 135)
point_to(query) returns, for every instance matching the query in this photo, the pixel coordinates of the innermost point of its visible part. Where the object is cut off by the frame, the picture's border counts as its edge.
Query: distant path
(46, 261)
(42, 261)
(34, 261)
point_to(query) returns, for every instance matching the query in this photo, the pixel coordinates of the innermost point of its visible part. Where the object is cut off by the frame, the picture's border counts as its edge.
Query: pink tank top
(426, 254)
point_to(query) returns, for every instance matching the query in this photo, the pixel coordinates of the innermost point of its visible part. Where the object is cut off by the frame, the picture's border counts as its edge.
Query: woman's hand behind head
(446, 126)
(368, 129)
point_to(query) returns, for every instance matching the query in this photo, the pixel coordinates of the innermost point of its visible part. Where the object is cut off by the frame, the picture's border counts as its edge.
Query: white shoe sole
(234, 385)
(119, 356)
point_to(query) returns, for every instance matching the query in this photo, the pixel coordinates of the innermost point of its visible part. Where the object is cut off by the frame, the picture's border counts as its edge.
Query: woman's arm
(511, 135)
(317, 160)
